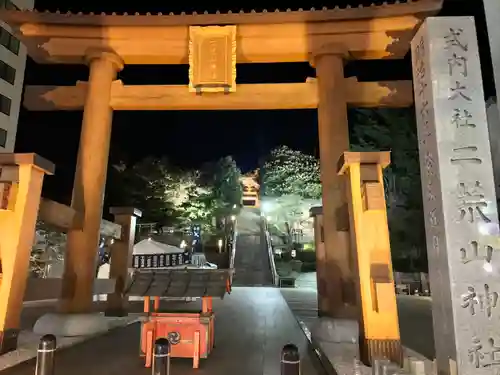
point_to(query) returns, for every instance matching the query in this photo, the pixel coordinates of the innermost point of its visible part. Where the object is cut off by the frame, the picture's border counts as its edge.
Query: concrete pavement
(252, 325)
(28, 340)
(415, 314)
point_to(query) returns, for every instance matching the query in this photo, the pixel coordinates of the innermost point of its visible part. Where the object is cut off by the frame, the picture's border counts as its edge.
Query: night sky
(190, 138)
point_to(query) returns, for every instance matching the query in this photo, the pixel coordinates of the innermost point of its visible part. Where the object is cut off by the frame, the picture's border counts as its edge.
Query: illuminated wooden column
(321, 273)
(379, 328)
(333, 141)
(89, 184)
(121, 258)
(21, 178)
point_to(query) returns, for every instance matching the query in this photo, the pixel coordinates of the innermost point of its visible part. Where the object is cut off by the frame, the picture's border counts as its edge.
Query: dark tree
(395, 130)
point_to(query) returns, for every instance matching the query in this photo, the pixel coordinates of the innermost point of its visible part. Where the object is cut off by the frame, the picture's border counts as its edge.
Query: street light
(266, 206)
(219, 243)
(233, 218)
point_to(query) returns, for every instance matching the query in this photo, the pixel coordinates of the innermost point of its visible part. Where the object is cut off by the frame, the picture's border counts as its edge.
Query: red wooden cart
(191, 334)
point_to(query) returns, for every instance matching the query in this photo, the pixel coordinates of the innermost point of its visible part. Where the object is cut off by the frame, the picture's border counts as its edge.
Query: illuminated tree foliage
(169, 196)
(290, 172)
(149, 185)
(223, 179)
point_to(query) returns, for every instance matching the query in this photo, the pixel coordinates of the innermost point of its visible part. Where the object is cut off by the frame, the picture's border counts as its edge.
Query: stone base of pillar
(71, 325)
(372, 349)
(8, 340)
(336, 330)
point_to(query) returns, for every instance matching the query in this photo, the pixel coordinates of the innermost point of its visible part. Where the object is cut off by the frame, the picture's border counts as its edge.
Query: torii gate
(325, 37)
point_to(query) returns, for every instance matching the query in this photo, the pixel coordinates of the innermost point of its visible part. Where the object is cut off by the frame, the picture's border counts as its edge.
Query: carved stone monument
(459, 197)
(212, 59)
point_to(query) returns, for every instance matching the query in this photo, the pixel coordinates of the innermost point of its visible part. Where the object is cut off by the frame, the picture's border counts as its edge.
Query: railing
(270, 252)
(232, 253)
(62, 218)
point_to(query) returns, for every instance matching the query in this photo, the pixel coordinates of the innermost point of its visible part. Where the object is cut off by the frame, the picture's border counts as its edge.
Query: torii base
(71, 325)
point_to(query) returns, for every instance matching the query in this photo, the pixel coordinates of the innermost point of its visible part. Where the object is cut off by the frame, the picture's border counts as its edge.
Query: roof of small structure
(415, 7)
(249, 181)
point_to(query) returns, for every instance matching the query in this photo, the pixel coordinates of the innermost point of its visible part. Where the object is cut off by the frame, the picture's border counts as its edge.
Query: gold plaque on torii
(212, 59)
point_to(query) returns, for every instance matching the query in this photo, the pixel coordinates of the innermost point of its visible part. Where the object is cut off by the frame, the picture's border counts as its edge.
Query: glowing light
(487, 267)
(233, 218)
(219, 243)
(183, 244)
(266, 206)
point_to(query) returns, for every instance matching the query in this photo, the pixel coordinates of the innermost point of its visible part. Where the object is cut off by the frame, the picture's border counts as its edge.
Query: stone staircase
(251, 261)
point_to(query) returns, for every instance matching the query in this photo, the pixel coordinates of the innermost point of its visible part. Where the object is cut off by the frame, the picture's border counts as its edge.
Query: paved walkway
(28, 340)
(414, 313)
(252, 325)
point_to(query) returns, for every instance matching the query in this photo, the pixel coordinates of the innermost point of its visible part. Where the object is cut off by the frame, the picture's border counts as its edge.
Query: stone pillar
(21, 178)
(378, 321)
(121, 258)
(460, 208)
(333, 141)
(321, 272)
(89, 184)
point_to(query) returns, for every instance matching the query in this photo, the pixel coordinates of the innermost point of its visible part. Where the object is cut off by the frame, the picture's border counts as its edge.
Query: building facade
(251, 188)
(12, 65)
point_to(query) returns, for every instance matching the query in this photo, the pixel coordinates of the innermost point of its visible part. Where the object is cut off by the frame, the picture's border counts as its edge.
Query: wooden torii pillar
(121, 258)
(333, 141)
(21, 179)
(90, 181)
(375, 292)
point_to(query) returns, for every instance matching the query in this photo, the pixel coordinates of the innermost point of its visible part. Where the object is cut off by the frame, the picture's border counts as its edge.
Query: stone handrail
(232, 254)
(269, 244)
(62, 218)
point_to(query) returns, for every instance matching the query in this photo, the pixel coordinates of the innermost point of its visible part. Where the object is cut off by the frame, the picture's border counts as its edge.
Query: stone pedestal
(340, 331)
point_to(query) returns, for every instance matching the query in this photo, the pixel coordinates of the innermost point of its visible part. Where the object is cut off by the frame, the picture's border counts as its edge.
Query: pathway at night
(251, 262)
(252, 326)
(415, 314)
